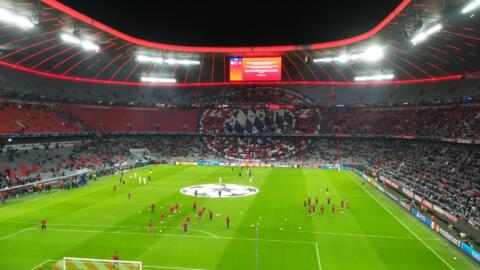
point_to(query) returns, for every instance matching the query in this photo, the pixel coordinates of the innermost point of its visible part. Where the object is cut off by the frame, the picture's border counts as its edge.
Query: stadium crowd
(445, 121)
(443, 173)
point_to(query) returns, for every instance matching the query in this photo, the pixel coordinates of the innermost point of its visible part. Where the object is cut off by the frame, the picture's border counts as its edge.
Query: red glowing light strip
(101, 26)
(212, 84)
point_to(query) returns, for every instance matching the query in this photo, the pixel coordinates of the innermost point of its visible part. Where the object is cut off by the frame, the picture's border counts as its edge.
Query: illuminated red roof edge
(141, 42)
(213, 84)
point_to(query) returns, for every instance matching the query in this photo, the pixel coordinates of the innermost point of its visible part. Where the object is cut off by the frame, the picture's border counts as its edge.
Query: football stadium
(356, 146)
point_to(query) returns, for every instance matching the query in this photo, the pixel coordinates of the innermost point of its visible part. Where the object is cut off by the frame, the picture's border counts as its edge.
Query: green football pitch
(95, 221)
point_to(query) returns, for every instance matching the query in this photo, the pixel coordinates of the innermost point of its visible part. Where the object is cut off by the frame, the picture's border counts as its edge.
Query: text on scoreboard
(255, 68)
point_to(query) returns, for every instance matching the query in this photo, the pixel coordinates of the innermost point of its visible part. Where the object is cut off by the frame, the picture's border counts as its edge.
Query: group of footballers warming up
(311, 206)
(175, 209)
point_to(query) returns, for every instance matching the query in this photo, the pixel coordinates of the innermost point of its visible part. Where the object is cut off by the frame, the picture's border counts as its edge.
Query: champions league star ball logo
(219, 191)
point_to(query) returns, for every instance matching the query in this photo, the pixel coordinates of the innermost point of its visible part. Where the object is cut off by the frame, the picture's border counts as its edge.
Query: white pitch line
(401, 222)
(363, 235)
(15, 233)
(121, 227)
(37, 266)
(183, 235)
(171, 267)
(318, 257)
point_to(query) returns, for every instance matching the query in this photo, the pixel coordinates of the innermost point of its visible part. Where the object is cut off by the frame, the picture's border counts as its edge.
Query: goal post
(70, 263)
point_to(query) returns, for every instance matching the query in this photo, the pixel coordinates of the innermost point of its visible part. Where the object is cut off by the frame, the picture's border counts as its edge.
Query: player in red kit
(115, 258)
(210, 214)
(328, 200)
(309, 200)
(172, 210)
(304, 203)
(316, 200)
(152, 207)
(114, 188)
(333, 209)
(129, 195)
(227, 219)
(185, 227)
(150, 226)
(309, 210)
(194, 206)
(347, 204)
(162, 217)
(321, 209)
(43, 222)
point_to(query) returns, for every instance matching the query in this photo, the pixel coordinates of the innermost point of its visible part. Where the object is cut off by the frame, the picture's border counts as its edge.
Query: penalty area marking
(44, 262)
(121, 228)
(401, 222)
(171, 267)
(143, 266)
(314, 244)
(15, 233)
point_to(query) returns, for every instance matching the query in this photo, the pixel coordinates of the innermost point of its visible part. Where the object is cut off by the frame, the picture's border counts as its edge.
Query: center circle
(219, 191)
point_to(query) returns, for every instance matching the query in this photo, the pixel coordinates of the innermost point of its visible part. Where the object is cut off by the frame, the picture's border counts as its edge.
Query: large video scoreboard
(255, 68)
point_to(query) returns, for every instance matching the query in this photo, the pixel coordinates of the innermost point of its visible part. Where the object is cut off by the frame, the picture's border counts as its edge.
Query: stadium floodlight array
(472, 6)
(20, 21)
(377, 77)
(146, 79)
(70, 263)
(171, 61)
(422, 36)
(371, 54)
(87, 45)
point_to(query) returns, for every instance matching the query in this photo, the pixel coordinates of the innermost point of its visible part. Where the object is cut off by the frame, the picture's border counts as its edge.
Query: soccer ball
(160, 231)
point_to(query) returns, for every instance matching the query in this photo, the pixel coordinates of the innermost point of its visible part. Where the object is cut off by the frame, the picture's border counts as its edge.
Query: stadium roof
(62, 43)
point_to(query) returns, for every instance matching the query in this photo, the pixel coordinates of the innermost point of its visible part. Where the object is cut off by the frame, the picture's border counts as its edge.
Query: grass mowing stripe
(401, 222)
(130, 228)
(176, 235)
(362, 238)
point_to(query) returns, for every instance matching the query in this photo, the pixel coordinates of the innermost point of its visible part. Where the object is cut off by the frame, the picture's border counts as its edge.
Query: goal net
(97, 264)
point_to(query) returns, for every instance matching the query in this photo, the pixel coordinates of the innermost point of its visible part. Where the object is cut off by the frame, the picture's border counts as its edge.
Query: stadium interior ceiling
(419, 41)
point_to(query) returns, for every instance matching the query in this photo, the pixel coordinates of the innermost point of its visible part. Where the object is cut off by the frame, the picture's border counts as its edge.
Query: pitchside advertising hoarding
(470, 251)
(255, 69)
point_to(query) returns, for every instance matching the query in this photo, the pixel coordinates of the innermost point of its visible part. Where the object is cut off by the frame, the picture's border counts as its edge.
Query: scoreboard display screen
(255, 68)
